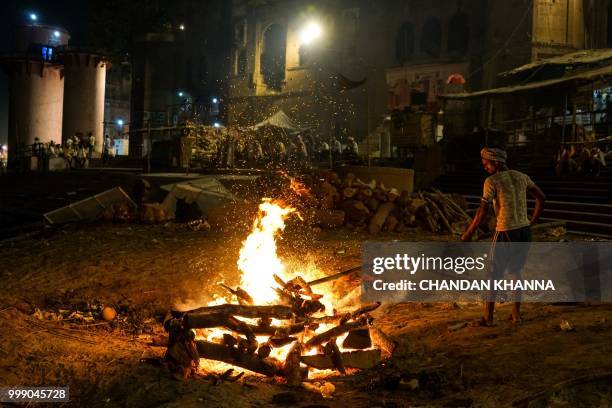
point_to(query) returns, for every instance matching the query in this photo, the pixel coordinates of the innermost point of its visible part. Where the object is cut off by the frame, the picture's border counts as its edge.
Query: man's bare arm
(535, 192)
(480, 214)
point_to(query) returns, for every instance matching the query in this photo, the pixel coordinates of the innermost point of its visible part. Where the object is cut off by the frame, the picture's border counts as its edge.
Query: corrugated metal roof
(583, 57)
(587, 76)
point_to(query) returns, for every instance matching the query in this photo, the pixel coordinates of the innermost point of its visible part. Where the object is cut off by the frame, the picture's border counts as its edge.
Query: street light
(182, 27)
(56, 34)
(180, 94)
(120, 122)
(215, 100)
(33, 16)
(311, 32)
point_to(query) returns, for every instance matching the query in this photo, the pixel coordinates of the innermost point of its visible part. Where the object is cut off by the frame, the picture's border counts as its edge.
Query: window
(431, 38)
(240, 33)
(458, 33)
(404, 43)
(241, 62)
(47, 53)
(304, 56)
(350, 18)
(273, 56)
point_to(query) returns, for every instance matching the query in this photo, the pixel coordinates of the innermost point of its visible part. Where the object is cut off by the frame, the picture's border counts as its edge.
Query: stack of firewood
(301, 314)
(354, 203)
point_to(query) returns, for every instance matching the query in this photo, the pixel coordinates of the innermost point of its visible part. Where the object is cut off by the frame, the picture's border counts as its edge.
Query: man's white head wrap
(494, 154)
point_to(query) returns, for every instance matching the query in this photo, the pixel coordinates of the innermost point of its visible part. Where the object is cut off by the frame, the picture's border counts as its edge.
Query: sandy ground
(143, 271)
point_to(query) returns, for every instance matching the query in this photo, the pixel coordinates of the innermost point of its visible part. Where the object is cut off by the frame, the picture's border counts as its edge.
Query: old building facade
(372, 57)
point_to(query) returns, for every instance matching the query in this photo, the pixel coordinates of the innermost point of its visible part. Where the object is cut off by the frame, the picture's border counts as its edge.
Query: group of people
(235, 149)
(76, 150)
(578, 159)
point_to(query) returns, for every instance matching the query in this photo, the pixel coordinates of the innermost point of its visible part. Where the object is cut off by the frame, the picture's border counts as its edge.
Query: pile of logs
(249, 335)
(371, 205)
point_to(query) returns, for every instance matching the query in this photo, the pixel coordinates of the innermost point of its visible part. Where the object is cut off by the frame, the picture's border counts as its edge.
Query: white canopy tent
(278, 120)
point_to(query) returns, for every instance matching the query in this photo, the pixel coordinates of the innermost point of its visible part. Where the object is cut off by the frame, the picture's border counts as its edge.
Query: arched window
(431, 38)
(241, 61)
(273, 56)
(404, 42)
(458, 33)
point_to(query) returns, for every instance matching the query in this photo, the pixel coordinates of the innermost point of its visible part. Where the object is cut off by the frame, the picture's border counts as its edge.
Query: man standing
(352, 149)
(301, 150)
(91, 144)
(507, 190)
(337, 148)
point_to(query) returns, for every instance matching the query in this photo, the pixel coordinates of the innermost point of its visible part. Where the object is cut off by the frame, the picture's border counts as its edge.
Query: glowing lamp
(311, 32)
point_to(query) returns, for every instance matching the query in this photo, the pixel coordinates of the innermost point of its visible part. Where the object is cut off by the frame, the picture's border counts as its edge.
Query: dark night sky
(72, 15)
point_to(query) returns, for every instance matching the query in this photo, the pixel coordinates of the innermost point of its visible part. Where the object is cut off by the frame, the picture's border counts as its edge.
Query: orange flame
(258, 260)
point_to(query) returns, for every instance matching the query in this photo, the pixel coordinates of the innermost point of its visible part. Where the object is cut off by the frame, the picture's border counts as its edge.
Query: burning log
(243, 297)
(358, 339)
(280, 341)
(365, 309)
(292, 370)
(229, 340)
(381, 341)
(336, 331)
(362, 359)
(334, 276)
(264, 350)
(182, 355)
(205, 321)
(331, 349)
(266, 366)
(275, 311)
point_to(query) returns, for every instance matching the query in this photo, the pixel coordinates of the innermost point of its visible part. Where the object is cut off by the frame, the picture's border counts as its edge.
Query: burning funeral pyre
(276, 324)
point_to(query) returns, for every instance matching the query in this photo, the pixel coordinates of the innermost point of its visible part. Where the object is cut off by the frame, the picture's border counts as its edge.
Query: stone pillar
(85, 74)
(36, 92)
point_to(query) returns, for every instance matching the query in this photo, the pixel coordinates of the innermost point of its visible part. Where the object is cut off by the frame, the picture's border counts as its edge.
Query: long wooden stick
(336, 331)
(277, 311)
(334, 276)
(543, 225)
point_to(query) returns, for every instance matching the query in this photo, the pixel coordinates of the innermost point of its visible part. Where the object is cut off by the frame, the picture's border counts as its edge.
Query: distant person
(337, 148)
(90, 145)
(51, 149)
(323, 150)
(281, 151)
(598, 160)
(566, 165)
(256, 151)
(352, 149)
(507, 190)
(81, 155)
(3, 159)
(105, 148)
(301, 151)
